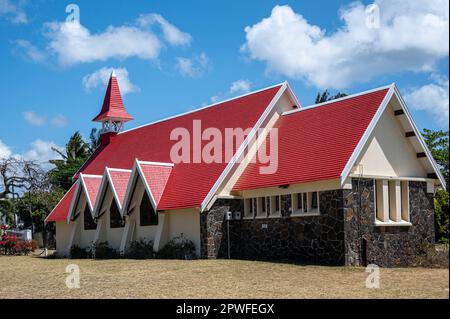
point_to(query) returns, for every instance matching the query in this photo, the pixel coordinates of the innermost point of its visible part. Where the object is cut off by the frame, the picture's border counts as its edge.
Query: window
(89, 223)
(392, 201)
(147, 214)
(297, 206)
(115, 219)
(275, 206)
(305, 202)
(261, 207)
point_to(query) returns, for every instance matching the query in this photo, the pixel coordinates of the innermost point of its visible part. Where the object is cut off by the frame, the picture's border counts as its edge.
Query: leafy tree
(76, 153)
(438, 143)
(94, 138)
(7, 210)
(325, 96)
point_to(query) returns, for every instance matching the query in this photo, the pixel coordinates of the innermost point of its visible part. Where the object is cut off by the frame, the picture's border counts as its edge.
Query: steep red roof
(59, 213)
(91, 187)
(112, 107)
(189, 183)
(119, 181)
(156, 177)
(316, 143)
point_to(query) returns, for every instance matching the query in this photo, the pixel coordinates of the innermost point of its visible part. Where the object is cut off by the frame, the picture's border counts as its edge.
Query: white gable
(389, 152)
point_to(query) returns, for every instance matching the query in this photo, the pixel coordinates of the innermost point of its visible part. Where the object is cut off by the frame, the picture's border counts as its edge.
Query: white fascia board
(243, 146)
(74, 201)
(420, 138)
(357, 151)
(146, 186)
(157, 163)
(129, 190)
(101, 191)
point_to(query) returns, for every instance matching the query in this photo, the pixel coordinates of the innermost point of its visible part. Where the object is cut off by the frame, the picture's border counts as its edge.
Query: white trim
(72, 202)
(420, 137)
(131, 182)
(243, 146)
(202, 108)
(119, 169)
(414, 179)
(146, 186)
(357, 151)
(308, 214)
(392, 223)
(86, 193)
(338, 100)
(156, 163)
(101, 190)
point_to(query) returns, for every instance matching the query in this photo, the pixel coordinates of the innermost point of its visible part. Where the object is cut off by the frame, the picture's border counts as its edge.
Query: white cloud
(73, 43)
(432, 98)
(172, 34)
(34, 118)
(240, 86)
(413, 35)
(5, 151)
(59, 120)
(41, 152)
(13, 12)
(30, 51)
(100, 78)
(194, 67)
(40, 120)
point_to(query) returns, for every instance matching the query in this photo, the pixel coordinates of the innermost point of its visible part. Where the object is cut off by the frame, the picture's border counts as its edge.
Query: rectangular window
(305, 202)
(261, 210)
(148, 216)
(275, 206)
(405, 201)
(89, 223)
(263, 205)
(313, 202)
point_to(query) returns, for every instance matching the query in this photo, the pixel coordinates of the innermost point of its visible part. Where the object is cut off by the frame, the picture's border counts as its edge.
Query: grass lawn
(33, 277)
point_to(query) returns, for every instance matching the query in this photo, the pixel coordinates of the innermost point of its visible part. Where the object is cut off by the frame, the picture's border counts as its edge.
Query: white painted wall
(63, 231)
(112, 235)
(388, 152)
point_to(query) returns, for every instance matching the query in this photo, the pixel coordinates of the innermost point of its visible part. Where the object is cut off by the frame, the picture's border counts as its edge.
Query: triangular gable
(154, 176)
(59, 213)
(116, 180)
(88, 185)
(408, 124)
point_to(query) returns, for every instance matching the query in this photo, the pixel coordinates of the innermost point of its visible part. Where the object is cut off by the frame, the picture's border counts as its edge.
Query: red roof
(91, 187)
(189, 183)
(156, 177)
(59, 213)
(316, 143)
(119, 182)
(112, 107)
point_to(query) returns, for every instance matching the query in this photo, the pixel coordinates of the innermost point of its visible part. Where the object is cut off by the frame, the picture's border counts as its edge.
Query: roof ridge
(339, 99)
(202, 108)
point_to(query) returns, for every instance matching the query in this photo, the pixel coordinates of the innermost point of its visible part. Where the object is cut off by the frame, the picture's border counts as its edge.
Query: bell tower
(113, 114)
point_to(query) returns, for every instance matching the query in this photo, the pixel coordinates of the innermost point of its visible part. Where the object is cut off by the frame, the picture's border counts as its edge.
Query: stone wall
(343, 233)
(385, 246)
(312, 239)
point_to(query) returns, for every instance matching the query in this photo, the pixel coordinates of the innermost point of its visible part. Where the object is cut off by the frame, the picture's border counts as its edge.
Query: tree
(76, 153)
(17, 174)
(325, 96)
(94, 138)
(7, 210)
(438, 143)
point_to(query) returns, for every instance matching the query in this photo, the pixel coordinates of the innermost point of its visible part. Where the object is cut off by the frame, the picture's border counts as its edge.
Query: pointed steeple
(113, 114)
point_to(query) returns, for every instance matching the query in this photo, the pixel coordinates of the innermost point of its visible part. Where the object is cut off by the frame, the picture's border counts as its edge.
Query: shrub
(103, 251)
(76, 252)
(140, 249)
(7, 243)
(178, 248)
(433, 256)
(12, 246)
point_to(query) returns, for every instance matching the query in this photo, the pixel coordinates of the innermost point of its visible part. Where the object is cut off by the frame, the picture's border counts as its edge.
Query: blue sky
(174, 56)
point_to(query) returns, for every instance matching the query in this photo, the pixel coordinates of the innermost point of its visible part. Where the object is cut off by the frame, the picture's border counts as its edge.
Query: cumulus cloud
(72, 43)
(240, 86)
(194, 67)
(100, 78)
(432, 98)
(13, 12)
(39, 151)
(411, 36)
(171, 33)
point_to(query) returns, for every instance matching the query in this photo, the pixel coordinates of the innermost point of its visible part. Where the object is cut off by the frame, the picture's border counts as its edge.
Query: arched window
(115, 219)
(89, 223)
(148, 216)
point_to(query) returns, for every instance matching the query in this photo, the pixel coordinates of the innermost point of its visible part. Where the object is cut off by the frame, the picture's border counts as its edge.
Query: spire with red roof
(113, 114)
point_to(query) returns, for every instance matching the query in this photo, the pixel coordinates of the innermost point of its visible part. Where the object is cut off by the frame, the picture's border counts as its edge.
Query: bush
(76, 252)
(12, 246)
(103, 251)
(140, 249)
(433, 256)
(178, 248)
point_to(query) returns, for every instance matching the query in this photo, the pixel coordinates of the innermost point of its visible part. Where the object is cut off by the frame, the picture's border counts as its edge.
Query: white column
(382, 191)
(395, 201)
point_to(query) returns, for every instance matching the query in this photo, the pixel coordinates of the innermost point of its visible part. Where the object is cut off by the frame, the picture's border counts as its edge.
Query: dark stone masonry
(343, 234)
